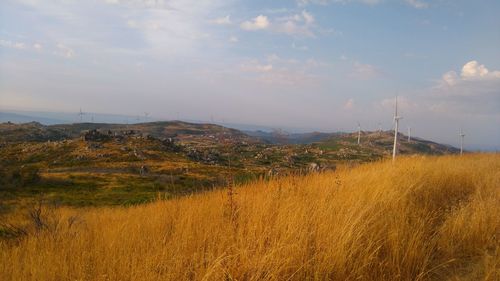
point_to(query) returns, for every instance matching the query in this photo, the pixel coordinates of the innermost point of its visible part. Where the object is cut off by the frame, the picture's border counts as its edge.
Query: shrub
(29, 174)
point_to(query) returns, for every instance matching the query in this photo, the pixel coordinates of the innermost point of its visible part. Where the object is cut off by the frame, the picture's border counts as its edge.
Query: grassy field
(424, 218)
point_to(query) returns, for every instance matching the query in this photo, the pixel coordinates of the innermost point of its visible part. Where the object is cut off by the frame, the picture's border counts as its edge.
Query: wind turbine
(409, 133)
(396, 128)
(146, 115)
(81, 113)
(359, 132)
(462, 135)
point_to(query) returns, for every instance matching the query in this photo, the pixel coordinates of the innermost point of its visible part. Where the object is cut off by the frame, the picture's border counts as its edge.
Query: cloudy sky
(309, 64)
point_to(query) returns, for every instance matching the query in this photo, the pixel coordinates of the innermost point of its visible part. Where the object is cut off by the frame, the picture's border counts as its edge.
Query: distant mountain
(21, 118)
(52, 118)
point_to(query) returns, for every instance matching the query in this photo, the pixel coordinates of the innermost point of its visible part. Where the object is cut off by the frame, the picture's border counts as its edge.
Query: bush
(20, 176)
(30, 174)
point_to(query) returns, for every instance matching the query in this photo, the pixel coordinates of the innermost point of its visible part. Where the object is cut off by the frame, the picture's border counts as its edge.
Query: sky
(306, 64)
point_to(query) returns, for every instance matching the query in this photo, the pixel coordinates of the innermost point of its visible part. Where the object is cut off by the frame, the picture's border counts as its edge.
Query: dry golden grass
(432, 218)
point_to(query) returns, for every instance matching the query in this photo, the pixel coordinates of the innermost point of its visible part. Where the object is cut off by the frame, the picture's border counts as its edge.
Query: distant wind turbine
(146, 115)
(81, 113)
(462, 135)
(396, 129)
(409, 134)
(359, 133)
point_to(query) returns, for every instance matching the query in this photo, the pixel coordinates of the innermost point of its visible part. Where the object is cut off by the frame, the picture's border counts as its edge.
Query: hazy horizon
(57, 118)
(318, 64)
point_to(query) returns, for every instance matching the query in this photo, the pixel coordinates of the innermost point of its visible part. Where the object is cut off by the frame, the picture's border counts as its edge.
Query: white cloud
(64, 51)
(349, 104)
(258, 23)
(291, 28)
(450, 78)
(364, 71)
(18, 45)
(309, 18)
(13, 45)
(404, 104)
(132, 24)
(313, 63)
(297, 25)
(233, 39)
(300, 24)
(264, 68)
(474, 71)
(417, 4)
(170, 28)
(300, 48)
(471, 71)
(276, 11)
(302, 3)
(222, 20)
(273, 58)
(254, 66)
(163, 28)
(37, 46)
(149, 4)
(275, 70)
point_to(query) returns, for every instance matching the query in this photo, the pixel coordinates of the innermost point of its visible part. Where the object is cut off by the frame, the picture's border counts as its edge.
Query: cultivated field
(424, 218)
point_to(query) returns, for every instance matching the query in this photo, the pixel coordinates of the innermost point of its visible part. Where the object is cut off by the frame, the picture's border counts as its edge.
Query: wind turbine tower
(409, 134)
(359, 133)
(396, 129)
(81, 113)
(462, 135)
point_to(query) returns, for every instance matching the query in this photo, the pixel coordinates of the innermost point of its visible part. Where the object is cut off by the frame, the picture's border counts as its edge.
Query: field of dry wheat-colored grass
(424, 218)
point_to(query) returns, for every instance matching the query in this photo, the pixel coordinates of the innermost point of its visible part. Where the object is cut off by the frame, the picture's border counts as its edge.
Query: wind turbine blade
(396, 108)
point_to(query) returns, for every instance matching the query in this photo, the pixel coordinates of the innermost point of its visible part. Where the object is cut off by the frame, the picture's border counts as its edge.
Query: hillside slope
(381, 143)
(424, 218)
(34, 131)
